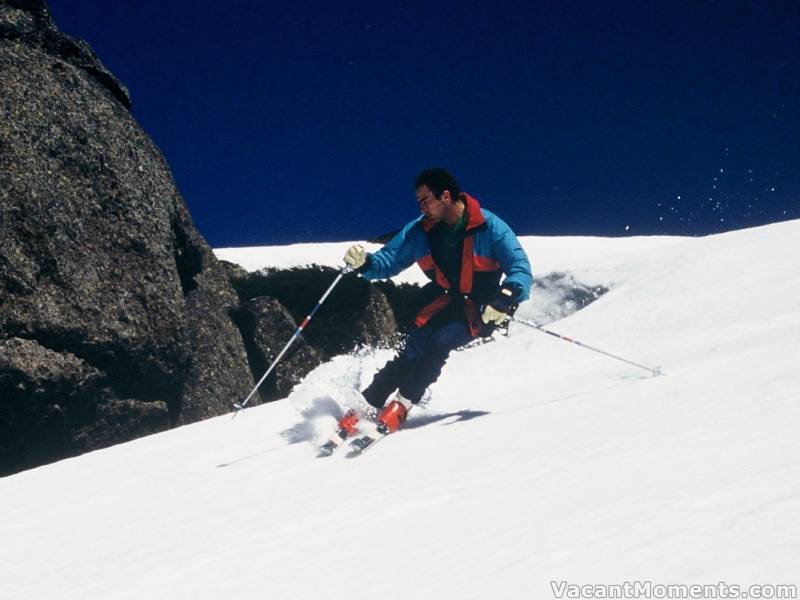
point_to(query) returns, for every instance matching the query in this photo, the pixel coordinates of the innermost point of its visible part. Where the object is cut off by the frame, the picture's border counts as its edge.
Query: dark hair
(439, 180)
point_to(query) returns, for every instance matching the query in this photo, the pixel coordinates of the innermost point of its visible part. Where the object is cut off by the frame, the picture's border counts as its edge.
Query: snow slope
(535, 460)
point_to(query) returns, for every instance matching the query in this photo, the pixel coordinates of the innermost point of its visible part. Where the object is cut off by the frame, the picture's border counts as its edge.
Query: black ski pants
(419, 364)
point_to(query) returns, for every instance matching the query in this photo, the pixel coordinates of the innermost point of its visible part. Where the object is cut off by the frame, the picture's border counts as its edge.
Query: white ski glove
(355, 256)
(492, 315)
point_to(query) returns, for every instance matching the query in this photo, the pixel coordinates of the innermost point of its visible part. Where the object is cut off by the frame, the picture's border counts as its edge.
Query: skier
(464, 250)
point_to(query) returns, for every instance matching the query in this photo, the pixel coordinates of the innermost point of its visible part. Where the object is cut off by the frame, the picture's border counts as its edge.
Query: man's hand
(492, 315)
(499, 309)
(355, 256)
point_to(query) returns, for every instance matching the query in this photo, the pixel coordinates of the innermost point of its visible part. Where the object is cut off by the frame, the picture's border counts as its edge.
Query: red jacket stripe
(484, 263)
(426, 263)
(465, 285)
(431, 309)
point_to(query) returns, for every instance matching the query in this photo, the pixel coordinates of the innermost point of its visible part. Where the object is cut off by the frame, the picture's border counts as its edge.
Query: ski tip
(360, 445)
(324, 452)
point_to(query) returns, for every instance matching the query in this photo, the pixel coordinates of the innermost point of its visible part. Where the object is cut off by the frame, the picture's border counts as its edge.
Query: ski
(347, 429)
(330, 446)
(363, 443)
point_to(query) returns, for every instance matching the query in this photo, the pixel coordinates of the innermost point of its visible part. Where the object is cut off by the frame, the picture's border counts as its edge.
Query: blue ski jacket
(489, 250)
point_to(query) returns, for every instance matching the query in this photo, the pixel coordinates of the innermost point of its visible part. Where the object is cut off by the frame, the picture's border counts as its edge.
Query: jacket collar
(474, 215)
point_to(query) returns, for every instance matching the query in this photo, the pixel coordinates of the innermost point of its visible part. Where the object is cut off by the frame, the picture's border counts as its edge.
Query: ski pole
(654, 371)
(295, 335)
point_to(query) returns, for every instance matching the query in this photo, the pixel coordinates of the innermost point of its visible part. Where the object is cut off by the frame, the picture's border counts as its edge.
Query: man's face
(429, 205)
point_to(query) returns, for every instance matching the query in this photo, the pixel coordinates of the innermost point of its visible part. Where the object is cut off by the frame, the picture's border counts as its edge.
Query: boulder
(56, 405)
(99, 258)
(30, 21)
(267, 327)
(377, 325)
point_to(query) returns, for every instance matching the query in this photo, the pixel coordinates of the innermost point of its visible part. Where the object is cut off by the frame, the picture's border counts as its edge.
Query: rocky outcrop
(102, 273)
(356, 314)
(377, 326)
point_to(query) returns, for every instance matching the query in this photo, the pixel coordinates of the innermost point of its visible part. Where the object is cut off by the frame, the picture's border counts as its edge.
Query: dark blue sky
(308, 121)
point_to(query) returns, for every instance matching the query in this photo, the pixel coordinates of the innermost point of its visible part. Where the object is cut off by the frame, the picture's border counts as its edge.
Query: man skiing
(464, 250)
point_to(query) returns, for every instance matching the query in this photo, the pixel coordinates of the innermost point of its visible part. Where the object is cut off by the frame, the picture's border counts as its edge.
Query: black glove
(502, 307)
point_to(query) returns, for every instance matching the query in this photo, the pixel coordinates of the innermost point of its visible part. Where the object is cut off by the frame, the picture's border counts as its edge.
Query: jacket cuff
(366, 266)
(516, 291)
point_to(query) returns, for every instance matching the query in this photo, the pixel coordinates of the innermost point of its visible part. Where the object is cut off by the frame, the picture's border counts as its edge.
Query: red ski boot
(348, 424)
(390, 420)
(394, 414)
